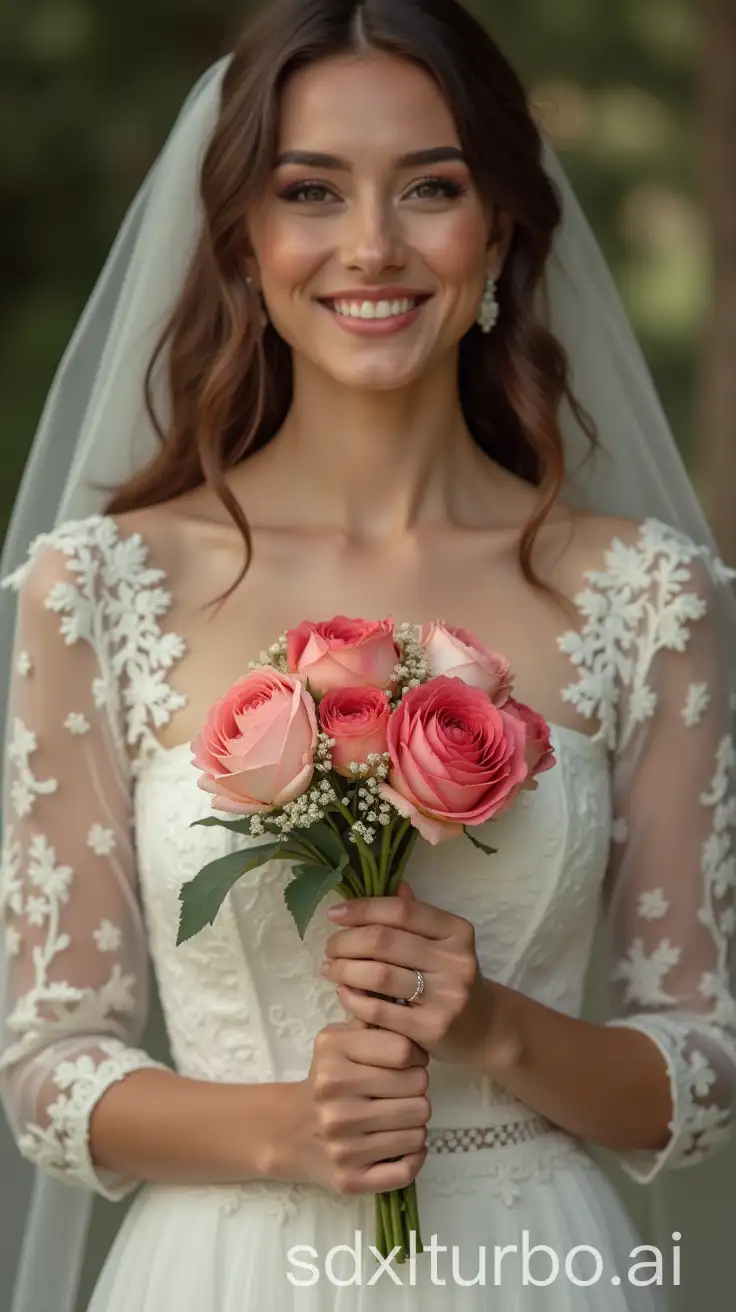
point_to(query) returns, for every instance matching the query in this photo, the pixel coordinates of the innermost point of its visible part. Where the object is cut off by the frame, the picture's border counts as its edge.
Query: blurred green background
(88, 93)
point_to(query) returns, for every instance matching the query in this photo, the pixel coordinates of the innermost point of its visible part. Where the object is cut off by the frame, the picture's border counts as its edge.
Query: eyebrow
(415, 159)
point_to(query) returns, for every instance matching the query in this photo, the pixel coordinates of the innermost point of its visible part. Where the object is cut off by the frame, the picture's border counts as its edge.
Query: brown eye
(309, 193)
(437, 189)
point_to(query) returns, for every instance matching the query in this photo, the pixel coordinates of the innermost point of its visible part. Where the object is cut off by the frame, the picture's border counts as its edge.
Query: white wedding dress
(98, 840)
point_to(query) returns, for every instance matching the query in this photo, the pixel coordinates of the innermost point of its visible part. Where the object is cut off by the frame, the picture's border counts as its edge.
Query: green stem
(397, 840)
(397, 1225)
(304, 848)
(388, 1223)
(345, 812)
(360, 845)
(366, 868)
(333, 826)
(412, 1214)
(372, 867)
(381, 1239)
(398, 874)
(352, 882)
(367, 859)
(385, 858)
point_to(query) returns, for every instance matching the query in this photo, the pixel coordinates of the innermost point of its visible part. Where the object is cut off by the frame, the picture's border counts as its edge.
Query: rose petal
(434, 831)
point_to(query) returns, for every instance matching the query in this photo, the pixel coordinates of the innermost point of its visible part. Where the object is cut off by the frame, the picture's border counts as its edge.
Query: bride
(393, 378)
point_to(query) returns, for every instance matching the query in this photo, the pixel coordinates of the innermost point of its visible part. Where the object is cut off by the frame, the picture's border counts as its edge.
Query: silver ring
(419, 988)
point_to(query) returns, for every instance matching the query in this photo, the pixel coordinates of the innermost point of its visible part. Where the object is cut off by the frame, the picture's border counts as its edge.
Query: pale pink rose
(456, 758)
(458, 654)
(357, 718)
(343, 653)
(256, 750)
(540, 754)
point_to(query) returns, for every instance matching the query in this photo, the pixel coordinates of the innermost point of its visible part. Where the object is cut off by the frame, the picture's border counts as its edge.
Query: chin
(375, 375)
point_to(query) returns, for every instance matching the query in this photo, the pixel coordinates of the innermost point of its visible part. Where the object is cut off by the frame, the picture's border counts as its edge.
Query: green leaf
(202, 897)
(307, 889)
(327, 843)
(489, 851)
(235, 826)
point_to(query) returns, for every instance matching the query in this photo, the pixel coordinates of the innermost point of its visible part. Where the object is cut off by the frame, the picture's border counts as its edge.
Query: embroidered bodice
(634, 822)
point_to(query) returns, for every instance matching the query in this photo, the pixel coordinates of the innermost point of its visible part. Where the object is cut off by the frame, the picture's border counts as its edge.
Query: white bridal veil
(94, 429)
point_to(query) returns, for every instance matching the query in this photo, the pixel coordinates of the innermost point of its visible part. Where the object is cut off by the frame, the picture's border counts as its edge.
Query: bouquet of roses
(347, 741)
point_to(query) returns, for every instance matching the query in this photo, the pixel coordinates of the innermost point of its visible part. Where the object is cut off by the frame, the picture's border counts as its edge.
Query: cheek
(454, 247)
(289, 251)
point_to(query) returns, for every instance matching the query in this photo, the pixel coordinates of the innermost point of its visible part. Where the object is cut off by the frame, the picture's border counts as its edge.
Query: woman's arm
(656, 1082)
(162, 1127)
(609, 1086)
(86, 1102)
(355, 1124)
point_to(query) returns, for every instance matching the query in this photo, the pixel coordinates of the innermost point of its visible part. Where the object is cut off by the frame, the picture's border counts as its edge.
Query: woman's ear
(500, 240)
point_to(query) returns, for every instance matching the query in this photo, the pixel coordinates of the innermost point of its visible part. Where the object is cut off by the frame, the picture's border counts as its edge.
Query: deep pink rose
(458, 654)
(357, 718)
(256, 750)
(343, 653)
(540, 754)
(456, 759)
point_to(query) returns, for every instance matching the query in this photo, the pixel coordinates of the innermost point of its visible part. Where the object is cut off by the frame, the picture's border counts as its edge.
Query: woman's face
(371, 244)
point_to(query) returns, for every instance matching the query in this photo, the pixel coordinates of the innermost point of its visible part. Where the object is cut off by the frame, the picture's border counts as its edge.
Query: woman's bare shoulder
(173, 531)
(580, 543)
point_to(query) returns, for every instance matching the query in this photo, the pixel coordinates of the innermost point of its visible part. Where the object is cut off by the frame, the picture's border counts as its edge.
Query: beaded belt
(468, 1139)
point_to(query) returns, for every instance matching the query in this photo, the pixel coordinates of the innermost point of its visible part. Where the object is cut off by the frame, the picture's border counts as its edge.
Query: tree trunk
(716, 438)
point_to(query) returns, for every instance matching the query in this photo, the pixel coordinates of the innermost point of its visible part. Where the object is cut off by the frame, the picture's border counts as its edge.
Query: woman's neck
(374, 465)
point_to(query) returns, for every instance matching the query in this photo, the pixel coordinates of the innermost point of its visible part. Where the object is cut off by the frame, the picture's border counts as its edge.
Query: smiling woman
(345, 244)
(396, 163)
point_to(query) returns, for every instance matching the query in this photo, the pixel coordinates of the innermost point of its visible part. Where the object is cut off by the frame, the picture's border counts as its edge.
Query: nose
(373, 240)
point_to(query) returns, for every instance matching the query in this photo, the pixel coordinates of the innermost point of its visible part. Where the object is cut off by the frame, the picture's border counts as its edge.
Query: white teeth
(374, 309)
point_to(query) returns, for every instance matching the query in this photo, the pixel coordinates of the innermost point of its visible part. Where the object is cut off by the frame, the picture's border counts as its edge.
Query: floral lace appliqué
(635, 608)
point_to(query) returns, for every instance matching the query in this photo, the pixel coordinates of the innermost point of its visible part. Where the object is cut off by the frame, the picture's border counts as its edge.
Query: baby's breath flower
(412, 668)
(275, 656)
(306, 810)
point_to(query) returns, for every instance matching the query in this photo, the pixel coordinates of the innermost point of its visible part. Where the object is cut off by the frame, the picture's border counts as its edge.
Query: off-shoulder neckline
(585, 740)
(113, 534)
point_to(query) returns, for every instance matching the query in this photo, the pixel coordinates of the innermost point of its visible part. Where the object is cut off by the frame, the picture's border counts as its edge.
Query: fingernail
(335, 912)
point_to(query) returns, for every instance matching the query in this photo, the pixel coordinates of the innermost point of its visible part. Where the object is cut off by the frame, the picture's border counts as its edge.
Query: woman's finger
(373, 976)
(397, 913)
(383, 1014)
(396, 947)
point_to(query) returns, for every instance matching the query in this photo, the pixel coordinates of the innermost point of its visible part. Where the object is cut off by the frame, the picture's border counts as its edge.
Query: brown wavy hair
(229, 378)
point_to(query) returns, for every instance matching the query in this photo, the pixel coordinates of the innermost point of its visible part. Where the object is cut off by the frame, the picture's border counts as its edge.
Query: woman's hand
(358, 1123)
(384, 942)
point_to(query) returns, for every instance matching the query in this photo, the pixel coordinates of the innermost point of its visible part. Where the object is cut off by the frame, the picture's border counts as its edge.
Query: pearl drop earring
(488, 311)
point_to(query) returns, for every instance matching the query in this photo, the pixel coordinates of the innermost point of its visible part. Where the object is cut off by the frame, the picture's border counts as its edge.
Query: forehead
(375, 103)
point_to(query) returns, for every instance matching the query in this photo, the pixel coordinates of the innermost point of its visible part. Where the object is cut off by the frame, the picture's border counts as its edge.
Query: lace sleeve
(75, 979)
(664, 676)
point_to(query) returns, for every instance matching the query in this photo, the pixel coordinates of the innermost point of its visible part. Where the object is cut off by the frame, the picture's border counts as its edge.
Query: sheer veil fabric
(94, 429)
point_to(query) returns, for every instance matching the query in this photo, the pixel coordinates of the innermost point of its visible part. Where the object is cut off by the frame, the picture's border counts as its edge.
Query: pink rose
(456, 759)
(458, 654)
(256, 749)
(343, 653)
(540, 754)
(357, 718)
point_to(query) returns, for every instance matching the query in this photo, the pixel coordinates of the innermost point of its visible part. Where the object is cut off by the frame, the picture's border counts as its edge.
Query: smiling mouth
(370, 310)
